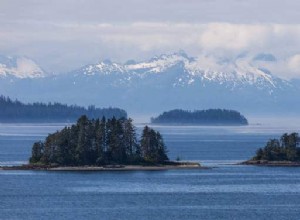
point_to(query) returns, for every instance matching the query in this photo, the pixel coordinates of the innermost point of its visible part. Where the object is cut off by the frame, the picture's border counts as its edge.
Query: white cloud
(234, 36)
(294, 63)
(209, 37)
(61, 46)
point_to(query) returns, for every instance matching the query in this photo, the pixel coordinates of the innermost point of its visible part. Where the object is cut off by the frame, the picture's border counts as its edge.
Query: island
(16, 111)
(102, 144)
(201, 117)
(278, 152)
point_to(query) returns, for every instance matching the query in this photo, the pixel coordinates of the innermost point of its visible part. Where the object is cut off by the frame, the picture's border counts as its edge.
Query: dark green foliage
(285, 149)
(37, 152)
(205, 117)
(100, 142)
(153, 148)
(15, 111)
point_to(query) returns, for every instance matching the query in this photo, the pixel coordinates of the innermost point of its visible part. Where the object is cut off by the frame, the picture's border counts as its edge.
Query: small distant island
(102, 144)
(201, 117)
(16, 111)
(278, 152)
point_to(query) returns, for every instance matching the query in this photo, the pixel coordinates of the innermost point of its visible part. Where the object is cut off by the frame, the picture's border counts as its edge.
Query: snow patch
(23, 68)
(233, 72)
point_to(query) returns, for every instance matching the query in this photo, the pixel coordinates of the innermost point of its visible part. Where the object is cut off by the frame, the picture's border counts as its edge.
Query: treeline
(284, 149)
(16, 111)
(203, 117)
(100, 142)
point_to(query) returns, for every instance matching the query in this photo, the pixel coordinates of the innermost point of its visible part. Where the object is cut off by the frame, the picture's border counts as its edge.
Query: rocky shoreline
(271, 163)
(175, 165)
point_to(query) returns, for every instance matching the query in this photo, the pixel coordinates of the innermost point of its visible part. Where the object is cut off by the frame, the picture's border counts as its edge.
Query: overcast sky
(64, 34)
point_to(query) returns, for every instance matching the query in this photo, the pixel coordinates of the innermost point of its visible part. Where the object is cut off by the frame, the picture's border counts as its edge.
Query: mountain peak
(170, 80)
(237, 72)
(180, 55)
(20, 67)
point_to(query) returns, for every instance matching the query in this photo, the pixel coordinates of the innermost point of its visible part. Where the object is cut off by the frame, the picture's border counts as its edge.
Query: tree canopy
(100, 142)
(205, 117)
(16, 111)
(284, 149)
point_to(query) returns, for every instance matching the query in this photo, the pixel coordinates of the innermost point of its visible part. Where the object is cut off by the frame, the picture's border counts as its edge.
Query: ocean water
(226, 191)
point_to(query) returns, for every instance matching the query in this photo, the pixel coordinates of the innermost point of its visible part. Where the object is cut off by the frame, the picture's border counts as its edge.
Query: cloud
(294, 63)
(62, 46)
(129, 11)
(233, 36)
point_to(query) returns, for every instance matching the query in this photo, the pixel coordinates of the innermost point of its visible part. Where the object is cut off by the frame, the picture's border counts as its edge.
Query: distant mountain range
(161, 83)
(19, 67)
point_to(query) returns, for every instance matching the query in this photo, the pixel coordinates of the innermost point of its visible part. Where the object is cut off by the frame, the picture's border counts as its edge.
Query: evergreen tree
(286, 148)
(210, 116)
(37, 152)
(161, 149)
(11, 111)
(152, 146)
(115, 138)
(95, 142)
(81, 148)
(130, 141)
(145, 144)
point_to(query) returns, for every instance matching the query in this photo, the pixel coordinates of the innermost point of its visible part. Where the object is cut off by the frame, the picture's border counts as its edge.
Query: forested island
(16, 111)
(102, 144)
(201, 117)
(278, 152)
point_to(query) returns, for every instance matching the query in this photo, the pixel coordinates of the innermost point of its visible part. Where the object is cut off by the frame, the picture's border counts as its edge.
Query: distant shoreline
(198, 124)
(270, 163)
(180, 165)
(208, 117)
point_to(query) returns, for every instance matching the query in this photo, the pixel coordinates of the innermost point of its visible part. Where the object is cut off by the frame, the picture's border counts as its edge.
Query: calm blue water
(224, 192)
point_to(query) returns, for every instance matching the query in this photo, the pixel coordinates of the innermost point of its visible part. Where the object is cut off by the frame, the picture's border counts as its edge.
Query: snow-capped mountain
(237, 72)
(19, 67)
(161, 83)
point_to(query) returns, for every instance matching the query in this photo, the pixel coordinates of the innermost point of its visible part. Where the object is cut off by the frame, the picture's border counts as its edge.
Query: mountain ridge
(164, 82)
(238, 72)
(20, 67)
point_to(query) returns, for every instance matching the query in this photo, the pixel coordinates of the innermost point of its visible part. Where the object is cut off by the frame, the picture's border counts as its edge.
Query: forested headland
(100, 142)
(16, 111)
(284, 151)
(201, 117)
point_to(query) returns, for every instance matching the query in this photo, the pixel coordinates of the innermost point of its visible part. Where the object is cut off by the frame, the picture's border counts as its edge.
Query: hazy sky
(64, 34)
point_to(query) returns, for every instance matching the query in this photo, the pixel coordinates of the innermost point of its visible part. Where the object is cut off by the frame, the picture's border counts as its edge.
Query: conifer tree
(37, 152)
(130, 141)
(81, 148)
(152, 146)
(95, 142)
